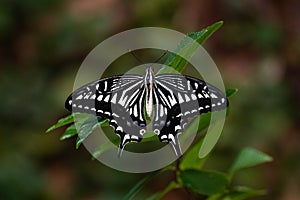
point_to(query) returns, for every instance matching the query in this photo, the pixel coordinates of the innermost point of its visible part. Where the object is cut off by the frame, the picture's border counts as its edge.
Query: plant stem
(172, 185)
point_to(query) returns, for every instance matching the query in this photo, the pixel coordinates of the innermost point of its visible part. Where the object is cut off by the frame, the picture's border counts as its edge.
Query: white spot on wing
(79, 97)
(107, 98)
(163, 137)
(105, 85)
(205, 94)
(187, 112)
(161, 111)
(142, 131)
(134, 137)
(196, 85)
(172, 100)
(187, 99)
(123, 100)
(180, 99)
(108, 113)
(193, 96)
(178, 127)
(93, 96)
(114, 98)
(87, 95)
(212, 95)
(119, 128)
(135, 110)
(188, 85)
(115, 115)
(179, 115)
(100, 97)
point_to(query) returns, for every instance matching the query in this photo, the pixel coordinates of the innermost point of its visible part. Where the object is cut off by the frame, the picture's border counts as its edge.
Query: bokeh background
(42, 44)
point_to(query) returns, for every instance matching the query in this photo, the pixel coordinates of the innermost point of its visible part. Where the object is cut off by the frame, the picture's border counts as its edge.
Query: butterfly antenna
(135, 56)
(158, 59)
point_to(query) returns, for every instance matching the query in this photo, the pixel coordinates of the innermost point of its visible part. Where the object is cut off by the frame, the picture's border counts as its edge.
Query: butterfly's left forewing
(116, 98)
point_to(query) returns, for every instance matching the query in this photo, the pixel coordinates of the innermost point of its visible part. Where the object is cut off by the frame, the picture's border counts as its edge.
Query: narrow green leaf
(78, 142)
(242, 193)
(204, 182)
(249, 157)
(231, 91)
(172, 185)
(69, 132)
(238, 193)
(63, 121)
(191, 160)
(153, 197)
(188, 47)
(137, 188)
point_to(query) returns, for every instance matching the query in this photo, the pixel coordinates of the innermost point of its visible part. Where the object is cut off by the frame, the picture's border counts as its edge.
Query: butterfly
(170, 100)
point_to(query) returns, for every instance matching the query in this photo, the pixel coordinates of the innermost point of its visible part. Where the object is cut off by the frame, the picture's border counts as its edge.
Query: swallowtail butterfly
(126, 100)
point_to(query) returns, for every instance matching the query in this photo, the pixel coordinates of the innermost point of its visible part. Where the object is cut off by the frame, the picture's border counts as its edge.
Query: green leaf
(231, 91)
(241, 193)
(204, 182)
(188, 47)
(204, 121)
(238, 193)
(70, 131)
(212, 135)
(191, 160)
(78, 142)
(153, 197)
(249, 157)
(137, 188)
(87, 128)
(104, 147)
(63, 121)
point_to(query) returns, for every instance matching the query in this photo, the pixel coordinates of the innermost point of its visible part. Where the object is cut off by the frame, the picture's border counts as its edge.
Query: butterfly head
(149, 77)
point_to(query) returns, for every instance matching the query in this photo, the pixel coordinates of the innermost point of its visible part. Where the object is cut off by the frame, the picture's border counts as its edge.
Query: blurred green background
(44, 42)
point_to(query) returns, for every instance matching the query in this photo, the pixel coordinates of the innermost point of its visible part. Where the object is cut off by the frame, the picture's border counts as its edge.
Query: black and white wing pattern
(171, 100)
(177, 100)
(119, 99)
